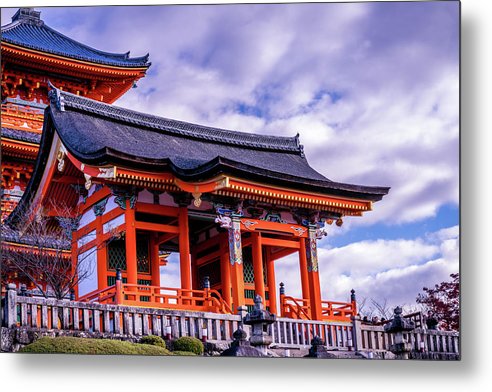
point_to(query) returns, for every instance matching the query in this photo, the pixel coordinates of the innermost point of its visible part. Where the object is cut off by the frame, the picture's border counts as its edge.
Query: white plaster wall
(87, 267)
(86, 238)
(166, 199)
(113, 223)
(146, 197)
(287, 216)
(111, 205)
(87, 217)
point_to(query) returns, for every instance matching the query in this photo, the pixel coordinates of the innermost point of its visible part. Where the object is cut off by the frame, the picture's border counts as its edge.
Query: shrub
(188, 343)
(184, 353)
(153, 340)
(72, 345)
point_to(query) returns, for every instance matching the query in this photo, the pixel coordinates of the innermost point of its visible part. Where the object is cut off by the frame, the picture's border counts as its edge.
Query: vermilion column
(304, 269)
(258, 265)
(236, 262)
(225, 270)
(313, 274)
(102, 268)
(272, 289)
(130, 245)
(155, 269)
(184, 249)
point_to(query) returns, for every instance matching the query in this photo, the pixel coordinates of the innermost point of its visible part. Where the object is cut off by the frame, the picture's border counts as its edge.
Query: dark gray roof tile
(29, 31)
(24, 136)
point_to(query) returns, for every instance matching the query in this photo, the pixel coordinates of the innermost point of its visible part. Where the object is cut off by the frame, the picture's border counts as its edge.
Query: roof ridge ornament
(56, 97)
(28, 15)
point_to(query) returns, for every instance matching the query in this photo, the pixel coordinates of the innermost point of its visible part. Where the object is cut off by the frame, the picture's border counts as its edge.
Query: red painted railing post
(119, 288)
(206, 289)
(353, 302)
(282, 298)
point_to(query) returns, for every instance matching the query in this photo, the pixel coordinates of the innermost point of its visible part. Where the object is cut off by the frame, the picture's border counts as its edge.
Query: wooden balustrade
(299, 308)
(206, 300)
(341, 311)
(296, 308)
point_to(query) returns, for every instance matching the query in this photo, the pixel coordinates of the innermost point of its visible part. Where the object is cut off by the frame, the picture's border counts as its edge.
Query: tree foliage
(442, 302)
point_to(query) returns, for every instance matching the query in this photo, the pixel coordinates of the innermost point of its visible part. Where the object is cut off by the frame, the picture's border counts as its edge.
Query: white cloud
(392, 270)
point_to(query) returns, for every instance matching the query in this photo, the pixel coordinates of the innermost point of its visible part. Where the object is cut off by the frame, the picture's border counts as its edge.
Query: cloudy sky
(372, 88)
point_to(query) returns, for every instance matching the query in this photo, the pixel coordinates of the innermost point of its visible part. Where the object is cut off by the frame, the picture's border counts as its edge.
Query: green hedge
(184, 353)
(153, 340)
(71, 345)
(189, 344)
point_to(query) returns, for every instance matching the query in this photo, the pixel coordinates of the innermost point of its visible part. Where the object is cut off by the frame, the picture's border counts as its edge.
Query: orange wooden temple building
(140, 187)
(33, 54)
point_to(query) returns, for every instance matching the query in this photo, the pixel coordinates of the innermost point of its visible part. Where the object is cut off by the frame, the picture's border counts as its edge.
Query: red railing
(296, 308)
(104, 296)
(299, 308)
(340, 311)
(206, 300)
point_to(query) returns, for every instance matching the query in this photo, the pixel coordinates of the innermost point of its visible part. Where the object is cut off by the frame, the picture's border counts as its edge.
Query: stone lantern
(398, 325)
(260, 319)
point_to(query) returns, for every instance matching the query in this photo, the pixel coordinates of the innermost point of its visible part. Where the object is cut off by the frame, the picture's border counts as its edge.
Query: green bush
(72, 345)
(153, 340)
(184, 353)
(188, 343)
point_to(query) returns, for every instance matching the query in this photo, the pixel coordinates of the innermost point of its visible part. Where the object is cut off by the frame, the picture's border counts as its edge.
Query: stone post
(11, 306)
(242, 311)
(401, 347)
(259, 320)
(356, 333)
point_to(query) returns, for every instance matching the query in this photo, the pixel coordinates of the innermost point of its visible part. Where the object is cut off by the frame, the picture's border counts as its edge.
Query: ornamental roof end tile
(29, 31)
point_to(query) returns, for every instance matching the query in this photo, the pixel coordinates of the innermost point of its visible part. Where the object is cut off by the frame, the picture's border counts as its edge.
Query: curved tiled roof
(29, 31)
(180, 128)
(24, 136)
(101, 134)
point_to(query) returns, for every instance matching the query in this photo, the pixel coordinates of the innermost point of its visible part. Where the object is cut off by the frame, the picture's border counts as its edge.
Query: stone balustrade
(65, 317)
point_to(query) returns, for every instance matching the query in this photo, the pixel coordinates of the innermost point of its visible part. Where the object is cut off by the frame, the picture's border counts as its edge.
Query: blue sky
(372, 88)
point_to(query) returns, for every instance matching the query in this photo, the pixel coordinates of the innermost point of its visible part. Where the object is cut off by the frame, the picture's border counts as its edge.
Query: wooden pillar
(184, 248)
(130, 245)
(236, 262)
(155, 269)
(272, 289)
(313, 274)
(102, 267)
(258, 265)
(304, 269)
(225, 270)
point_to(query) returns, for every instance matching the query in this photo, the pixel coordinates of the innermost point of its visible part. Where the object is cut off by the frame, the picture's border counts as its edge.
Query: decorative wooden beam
(313, 275)
(236, 262)
(159, 227)
(156, 209)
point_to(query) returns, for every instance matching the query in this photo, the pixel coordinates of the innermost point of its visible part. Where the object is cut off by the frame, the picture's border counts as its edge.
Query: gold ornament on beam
(197, 201)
